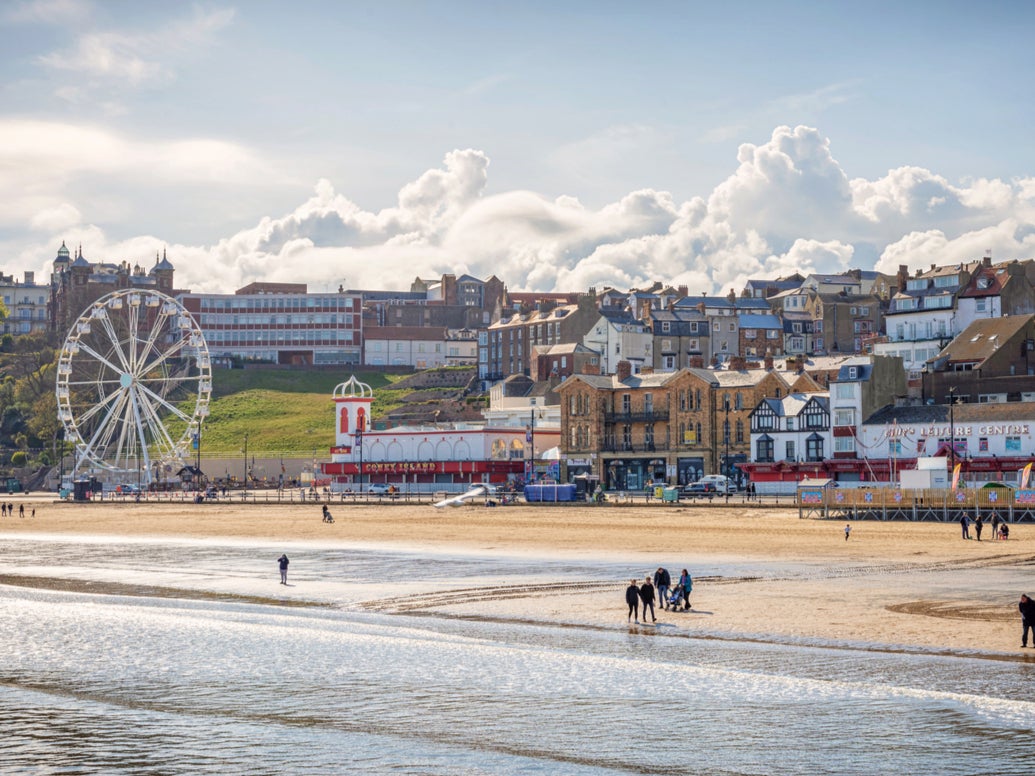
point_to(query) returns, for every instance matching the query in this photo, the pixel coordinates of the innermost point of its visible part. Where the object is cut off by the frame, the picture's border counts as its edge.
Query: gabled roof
(981, 339)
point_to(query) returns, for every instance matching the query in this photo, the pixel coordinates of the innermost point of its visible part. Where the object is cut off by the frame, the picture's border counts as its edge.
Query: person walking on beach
(848, 530)
(21, 510)
(965, 525)
(647, 596)
(3, 510)
(979, 523)
(996, 520)
(283, 561)
(1027, 609)
(686, 583)
(662, 580)
(632, 597)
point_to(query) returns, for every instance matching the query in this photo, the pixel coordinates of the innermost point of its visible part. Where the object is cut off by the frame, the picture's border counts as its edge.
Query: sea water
(99, 683)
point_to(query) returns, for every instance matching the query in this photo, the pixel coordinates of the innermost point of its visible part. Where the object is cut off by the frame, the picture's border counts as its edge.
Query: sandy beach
(890, 586)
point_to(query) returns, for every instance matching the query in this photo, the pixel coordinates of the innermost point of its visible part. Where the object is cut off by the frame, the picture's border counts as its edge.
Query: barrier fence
(902, 504)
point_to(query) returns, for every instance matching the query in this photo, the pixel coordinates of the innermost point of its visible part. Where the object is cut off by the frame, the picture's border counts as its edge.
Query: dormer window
(984, 282)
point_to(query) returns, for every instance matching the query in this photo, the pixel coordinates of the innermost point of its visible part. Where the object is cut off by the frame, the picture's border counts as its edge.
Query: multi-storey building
(76, 283)
(619, 336)
(991, 362)
(842, 323)
(670, 427)
(511, 339)
(788, 436)
(680, 338)
(760, 334)
(922, 318)
(26, 304)
(280, 323)
(995, 290)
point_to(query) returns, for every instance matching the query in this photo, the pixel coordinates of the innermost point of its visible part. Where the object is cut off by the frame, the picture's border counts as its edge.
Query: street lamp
(952, 430)
(246, 460)
(197, 442)
(359, 447)
(726, 435)
(530, 438)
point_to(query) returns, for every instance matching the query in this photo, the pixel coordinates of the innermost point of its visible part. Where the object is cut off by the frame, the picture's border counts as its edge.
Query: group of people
(8, 509)
(1000, 528)
(658, 589)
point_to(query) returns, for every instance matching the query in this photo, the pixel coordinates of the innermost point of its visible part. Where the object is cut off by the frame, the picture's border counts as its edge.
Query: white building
(618, 336)
(26, 304)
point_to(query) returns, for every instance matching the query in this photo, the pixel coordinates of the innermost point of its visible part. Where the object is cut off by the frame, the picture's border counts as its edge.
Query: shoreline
(892, 586)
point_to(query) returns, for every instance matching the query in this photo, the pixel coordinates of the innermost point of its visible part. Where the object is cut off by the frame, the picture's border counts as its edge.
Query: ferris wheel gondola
(134, 379)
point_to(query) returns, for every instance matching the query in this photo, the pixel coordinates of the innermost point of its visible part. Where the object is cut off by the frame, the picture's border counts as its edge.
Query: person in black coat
(632, 597)
(1027, 609)
(662, 581)
(647, 596)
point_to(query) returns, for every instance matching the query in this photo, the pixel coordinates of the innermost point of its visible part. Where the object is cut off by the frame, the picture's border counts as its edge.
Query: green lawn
(282, 411)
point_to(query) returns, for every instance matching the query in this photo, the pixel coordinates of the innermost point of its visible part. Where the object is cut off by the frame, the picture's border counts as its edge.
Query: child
(848, 531)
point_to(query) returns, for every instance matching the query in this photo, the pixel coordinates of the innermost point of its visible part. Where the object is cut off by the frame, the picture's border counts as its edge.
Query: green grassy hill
(283, 411)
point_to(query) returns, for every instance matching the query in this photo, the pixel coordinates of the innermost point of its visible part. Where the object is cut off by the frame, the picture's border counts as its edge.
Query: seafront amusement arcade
(424, 457)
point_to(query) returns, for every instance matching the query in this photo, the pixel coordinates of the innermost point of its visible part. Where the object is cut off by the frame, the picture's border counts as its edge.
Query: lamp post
(197, 472)
(245, 460)
(359, 446)
(952, 430)
(726, 435)
(531, 446)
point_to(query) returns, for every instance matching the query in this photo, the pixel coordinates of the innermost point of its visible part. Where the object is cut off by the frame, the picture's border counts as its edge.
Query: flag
(1025, 476)
(956, 475)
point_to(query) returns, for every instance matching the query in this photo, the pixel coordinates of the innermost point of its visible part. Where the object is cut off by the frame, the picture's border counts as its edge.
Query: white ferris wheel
(134, 380)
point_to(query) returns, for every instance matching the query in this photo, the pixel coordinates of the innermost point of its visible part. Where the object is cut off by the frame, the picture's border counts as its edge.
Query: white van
(722, 483)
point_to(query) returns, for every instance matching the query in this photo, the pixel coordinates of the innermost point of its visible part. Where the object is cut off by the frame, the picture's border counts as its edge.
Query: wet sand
(890, 586)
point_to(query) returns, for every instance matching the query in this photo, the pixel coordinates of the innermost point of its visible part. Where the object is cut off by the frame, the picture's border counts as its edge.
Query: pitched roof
(981, 339)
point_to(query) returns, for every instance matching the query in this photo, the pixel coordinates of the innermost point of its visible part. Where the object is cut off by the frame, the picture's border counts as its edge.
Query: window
(844, 444)
(626, 403)
(814, 448)
(789, 450)
(844, 417)
(668, 363)
(666, 327)
(740, 432)
(764, 449)
(845, 391)
(894, 448)
(790, 424)
(733, 327)
(715, 326)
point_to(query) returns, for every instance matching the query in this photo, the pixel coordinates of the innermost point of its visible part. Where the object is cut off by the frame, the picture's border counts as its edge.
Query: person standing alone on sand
(283, 561)
(848, 531)
(647, 596)
(965, 525)
(979, 523)
(1027, 609)
(632, 597)
(662, 580)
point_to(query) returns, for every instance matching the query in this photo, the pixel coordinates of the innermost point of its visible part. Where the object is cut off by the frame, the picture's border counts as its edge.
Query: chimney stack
(623, 370)
(696, 360)
(737, 363)
(768, 361)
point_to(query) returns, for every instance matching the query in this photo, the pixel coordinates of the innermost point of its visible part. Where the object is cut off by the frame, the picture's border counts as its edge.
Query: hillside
(290, 411)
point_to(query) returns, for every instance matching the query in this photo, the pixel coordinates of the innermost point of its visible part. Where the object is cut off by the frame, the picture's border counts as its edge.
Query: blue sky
(557, 145)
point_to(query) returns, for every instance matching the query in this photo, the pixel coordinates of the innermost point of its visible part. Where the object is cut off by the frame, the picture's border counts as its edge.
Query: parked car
(722, 483)
(700, 490)
(378, 489)
(126, 488)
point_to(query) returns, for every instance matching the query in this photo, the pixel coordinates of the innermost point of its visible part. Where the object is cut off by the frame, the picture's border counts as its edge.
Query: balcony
(629, 447)
(654, 416)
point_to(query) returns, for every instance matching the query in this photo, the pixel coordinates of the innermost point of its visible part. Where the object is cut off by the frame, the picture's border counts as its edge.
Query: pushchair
(676, 597)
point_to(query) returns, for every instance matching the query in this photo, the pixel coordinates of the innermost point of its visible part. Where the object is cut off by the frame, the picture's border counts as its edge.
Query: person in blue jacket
(687, 583)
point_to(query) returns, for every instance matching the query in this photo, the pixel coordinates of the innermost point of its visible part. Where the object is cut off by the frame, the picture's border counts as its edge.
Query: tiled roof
(962, 414)
(982, 338)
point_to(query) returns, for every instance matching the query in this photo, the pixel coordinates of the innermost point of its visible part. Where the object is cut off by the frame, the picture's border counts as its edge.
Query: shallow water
(93, 684)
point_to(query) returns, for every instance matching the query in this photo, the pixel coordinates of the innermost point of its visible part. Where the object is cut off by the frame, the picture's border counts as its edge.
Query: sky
(558, 146)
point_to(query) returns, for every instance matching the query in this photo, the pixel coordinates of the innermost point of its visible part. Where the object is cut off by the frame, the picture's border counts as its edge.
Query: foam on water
(161, 684)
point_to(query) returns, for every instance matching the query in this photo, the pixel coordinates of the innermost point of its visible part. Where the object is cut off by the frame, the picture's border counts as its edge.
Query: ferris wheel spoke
(161, 434)
(109, 329)
(172, 408)
(101, 359)
(173, 350)
(97, 407)
(104, 429)
(149, 344)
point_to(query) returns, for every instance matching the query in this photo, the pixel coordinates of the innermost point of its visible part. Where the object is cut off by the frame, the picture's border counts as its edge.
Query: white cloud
(131, 57)
(53, 12)
(787, 206)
